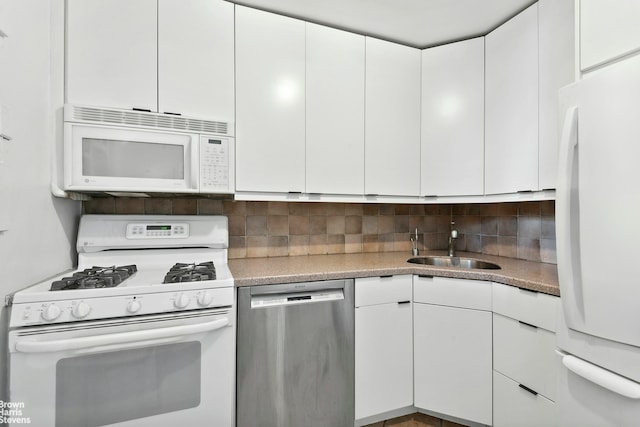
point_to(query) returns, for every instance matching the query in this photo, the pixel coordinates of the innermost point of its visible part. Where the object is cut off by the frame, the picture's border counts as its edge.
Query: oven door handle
(118, 338)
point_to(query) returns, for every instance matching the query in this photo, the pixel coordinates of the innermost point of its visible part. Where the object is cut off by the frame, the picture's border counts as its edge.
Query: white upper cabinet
(334, 111)
(270, 101)
(111, 53)
(511, 126)
(556, 69)
(453, 119)
(168, 56)
(392, 119)
(195, 58)
(608, 30)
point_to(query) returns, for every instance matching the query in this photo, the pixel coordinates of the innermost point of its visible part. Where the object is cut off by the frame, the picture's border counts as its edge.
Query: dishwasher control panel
(275, 300)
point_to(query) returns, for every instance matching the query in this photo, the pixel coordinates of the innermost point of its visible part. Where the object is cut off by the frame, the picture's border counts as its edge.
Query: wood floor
(415, 420)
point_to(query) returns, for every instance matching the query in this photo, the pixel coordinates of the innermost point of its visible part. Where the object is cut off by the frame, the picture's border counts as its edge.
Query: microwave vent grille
(150, 120)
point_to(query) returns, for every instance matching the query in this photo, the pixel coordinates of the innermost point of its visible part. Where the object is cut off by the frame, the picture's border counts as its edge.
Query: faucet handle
(454, 232)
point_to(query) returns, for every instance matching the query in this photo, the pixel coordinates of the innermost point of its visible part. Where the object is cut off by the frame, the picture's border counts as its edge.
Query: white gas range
(151, 304)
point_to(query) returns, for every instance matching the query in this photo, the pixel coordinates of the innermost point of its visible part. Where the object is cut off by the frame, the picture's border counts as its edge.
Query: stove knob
(51, 312)
(134, 306)
(205, 298)
(181, 301)
(81, 310)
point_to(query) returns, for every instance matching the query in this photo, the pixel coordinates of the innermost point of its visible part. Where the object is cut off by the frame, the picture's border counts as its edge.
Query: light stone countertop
(530, 275)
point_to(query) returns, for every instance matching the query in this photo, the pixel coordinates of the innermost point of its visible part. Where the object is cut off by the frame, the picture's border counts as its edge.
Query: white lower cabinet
(515, 406)
(524, 377)
(383, 343)
(453, 348)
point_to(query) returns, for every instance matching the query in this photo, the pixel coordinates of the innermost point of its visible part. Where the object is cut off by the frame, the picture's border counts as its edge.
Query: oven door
(102, 158)
(145, 371)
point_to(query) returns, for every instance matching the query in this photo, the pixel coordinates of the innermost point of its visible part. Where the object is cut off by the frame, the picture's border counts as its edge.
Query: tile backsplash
(524, 230)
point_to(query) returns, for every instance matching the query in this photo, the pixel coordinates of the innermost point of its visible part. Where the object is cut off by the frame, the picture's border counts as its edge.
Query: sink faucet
(453, 236)
(414, 245)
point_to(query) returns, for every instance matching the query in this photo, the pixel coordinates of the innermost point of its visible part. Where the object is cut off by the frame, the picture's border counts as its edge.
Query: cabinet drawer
(528, 306)
(514, 406)
(381, 290)
(525, 354)
(462, 293)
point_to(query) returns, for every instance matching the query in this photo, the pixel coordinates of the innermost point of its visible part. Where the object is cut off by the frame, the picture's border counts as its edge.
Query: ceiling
(418, 23)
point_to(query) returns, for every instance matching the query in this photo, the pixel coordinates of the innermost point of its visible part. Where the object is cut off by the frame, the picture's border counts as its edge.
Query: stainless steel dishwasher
(295, 362)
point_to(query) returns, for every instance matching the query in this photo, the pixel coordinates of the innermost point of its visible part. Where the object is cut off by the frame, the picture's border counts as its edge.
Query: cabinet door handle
(525, 388)
(527, 324)
(5, 137)
(386, 276)
(425, 276)
(172, 114)
(404, 302)
(528, 290)
(144, 110)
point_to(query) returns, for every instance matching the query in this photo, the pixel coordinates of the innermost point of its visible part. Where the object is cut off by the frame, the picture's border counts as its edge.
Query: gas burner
(191, 272)
(95, 277)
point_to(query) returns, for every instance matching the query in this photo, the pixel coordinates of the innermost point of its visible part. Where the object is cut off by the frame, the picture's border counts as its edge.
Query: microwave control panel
(216, 158)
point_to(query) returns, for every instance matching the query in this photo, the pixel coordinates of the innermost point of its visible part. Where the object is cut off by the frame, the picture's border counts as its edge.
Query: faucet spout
(453, 236)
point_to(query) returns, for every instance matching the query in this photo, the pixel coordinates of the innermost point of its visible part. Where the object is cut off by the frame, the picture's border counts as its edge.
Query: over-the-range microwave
(122, 151)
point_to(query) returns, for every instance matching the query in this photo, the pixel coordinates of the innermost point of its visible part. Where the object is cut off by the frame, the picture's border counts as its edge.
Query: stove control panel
(106, 307)
(176, 230)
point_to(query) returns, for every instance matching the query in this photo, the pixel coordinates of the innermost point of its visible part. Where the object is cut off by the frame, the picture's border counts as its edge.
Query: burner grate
(95, 277)
(181, 272)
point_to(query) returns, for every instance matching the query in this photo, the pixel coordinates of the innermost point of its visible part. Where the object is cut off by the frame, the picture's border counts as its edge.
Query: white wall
(40, 237)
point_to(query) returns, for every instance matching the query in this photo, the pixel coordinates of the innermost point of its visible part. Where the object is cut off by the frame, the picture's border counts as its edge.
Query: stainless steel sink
(445, 261)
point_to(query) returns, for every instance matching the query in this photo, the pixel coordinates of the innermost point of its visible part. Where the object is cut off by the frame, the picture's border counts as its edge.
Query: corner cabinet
(383, 343)
(392, 119)
(511, 127)
(525, 371)
(162, 56)
(270, 100)
(453, 119)
(453, 347)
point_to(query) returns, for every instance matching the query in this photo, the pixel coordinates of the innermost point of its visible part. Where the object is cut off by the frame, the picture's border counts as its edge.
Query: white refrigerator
(598, 249)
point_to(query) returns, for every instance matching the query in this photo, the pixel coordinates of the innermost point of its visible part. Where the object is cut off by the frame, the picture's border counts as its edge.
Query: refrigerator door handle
(568, 221)
(602, 377)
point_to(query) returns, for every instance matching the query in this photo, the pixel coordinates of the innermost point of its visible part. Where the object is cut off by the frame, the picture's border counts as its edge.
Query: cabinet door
(453, 119)
(384, 360)
(452, 354)
(195, 58)
(556, 69)
(111, 53)
(511, 127)
(270, 76)
(608, 30)
(392, 119)
(334, 111)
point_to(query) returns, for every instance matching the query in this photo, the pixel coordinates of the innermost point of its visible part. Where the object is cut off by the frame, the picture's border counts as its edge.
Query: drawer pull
(386, 276)
(527, 324)
(404, 302)
(525, 388)
(425, 276)
(528, 290)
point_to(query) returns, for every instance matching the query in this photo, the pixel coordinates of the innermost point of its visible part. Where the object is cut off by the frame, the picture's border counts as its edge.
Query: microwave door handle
(195, 162)
(118, 338)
